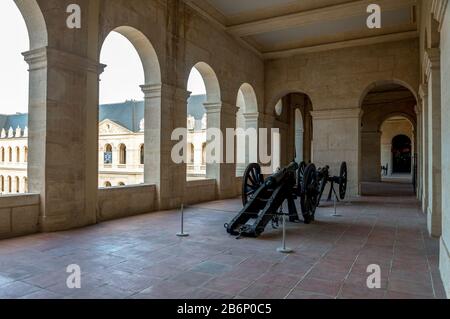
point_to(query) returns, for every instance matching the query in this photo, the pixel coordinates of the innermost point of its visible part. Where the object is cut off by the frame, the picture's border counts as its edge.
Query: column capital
(44, 57)
(212, 107)
(157, 90)
(36, 59)
(251, 116)
(431, 61)
(418, 109)
(337, 114)
(423, 91)
(438, 8)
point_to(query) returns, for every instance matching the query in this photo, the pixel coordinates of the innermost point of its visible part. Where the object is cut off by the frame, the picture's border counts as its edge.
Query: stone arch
(247, 99)
(374, 84)
(213, 93)
(275, 100)
(35, 22)
(146, 52)
(296, 138)
(380, 101)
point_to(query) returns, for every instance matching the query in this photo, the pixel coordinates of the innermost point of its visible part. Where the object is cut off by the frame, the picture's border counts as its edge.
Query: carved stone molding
(337, 114)
(438, 8)
(431, 61)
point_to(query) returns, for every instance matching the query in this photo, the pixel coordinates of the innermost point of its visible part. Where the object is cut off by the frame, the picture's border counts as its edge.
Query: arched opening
(121, 184)
(22, 27)
(401, 155)
(9, 183)
(122, 154)
(25, 184)
(107, 184)
(388, 110)
(25, 154)
(205, 98)
(246, 128)
(132, 71)
(108, 154)
(2, 184)
(142, 154)
(294, 121)
(17, 180)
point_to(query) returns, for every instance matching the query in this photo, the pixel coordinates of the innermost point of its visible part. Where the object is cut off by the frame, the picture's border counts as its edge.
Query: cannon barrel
(277, 178)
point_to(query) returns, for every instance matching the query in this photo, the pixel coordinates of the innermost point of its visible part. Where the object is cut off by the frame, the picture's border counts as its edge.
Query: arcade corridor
(141, 257)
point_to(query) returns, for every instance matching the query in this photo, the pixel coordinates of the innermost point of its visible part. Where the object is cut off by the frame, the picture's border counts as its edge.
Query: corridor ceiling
(278, 28)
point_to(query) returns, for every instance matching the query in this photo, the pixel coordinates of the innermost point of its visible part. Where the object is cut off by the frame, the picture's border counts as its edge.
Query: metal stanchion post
(182, 233)
(335, 214)
(283, 249)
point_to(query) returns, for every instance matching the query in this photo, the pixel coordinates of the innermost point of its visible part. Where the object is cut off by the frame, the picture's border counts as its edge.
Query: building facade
(121, 146)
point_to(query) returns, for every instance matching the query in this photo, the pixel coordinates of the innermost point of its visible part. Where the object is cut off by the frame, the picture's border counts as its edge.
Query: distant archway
(401, 155)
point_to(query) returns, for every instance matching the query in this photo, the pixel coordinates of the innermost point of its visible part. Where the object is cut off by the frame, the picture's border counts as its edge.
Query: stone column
(299, 145)
(419, 152)
(433, 74)
(165, 110)
(423, 91)
(337, 139)
(371, 157)
(221, 116)
(63, 132)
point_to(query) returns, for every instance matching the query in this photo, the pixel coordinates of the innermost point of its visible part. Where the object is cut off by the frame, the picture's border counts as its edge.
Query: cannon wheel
(252, 181)
(300, 174)
(343, 181)
(308, 199)
(324, 176)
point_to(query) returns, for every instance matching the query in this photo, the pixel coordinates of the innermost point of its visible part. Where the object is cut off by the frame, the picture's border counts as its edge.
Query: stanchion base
(183, 235)
(284, 250)
(336, 215)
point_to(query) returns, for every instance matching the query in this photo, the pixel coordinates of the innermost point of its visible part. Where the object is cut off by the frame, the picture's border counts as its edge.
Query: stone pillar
(433, 74)
(337, 139)
(419, 151)
(299, 157)
(165, 110)
(63, 132)
(371, 157)
(423, 92)
(221, 116)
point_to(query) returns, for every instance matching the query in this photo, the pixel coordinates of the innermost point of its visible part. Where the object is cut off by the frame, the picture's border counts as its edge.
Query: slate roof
(128, 114)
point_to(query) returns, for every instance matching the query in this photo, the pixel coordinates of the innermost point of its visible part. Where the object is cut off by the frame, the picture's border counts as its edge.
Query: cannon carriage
(263, 198)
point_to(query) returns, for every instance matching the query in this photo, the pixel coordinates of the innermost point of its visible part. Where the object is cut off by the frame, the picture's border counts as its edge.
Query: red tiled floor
(141, 257)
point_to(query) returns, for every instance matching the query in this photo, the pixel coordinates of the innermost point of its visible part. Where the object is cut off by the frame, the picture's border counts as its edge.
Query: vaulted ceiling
(277, 28)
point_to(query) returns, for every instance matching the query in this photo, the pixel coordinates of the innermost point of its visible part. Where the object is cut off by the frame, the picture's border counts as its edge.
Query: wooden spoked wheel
(252, 181)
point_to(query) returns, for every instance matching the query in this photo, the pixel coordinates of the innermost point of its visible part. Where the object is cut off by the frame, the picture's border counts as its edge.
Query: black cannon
(314, 184)
(263, 198)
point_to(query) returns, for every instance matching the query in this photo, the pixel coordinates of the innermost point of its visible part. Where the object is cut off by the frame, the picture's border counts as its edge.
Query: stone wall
(119, 202)
(19, 215)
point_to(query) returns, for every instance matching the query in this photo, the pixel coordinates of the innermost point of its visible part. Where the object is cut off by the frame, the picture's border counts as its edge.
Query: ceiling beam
(337, 12)
(343, 44)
